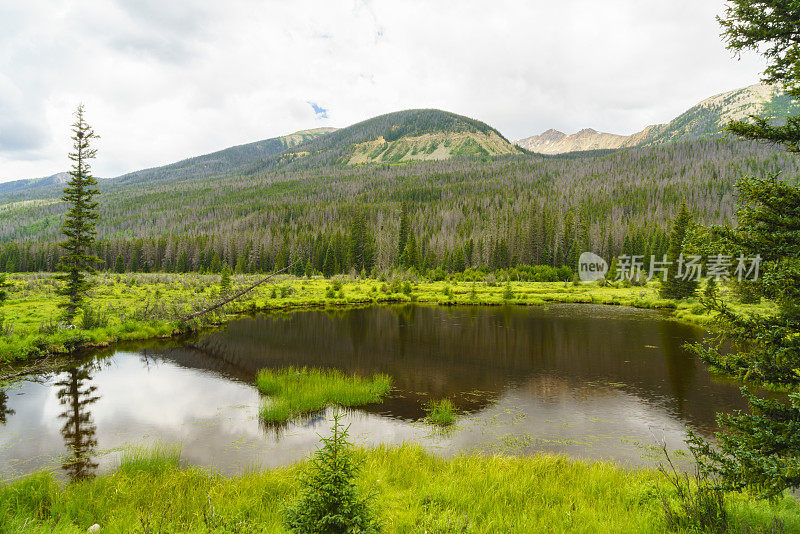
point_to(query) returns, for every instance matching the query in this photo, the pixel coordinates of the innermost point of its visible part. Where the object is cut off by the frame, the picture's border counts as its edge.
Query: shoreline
(292, 294)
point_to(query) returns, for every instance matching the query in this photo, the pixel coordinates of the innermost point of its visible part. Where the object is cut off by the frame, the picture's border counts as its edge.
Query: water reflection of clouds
(29, 440)
(215, 421)
(605, 424)
(574, 380)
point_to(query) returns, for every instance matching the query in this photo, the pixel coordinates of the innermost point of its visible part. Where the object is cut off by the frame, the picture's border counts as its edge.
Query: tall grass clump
(330, 501)
(295, 391)
(156, 459)
(441, 413)
(695, 504)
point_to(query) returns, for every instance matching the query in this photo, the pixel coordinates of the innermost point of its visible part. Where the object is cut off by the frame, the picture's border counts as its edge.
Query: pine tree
(225, 281)
(329, 497)
(79, 226)
(710, 292)
(672, 287)
(760, 449)
(405, 229)
(119, 264)
(410, 256)
(329, 264)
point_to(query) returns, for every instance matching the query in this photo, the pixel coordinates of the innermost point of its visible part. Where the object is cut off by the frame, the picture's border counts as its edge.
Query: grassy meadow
(144, 306)
(415, 491)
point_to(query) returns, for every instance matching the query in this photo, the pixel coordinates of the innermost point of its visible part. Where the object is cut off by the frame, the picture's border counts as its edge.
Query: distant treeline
(462, 213)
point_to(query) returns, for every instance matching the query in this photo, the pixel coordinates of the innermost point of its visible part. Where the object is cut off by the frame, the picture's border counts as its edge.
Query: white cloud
(166, 80)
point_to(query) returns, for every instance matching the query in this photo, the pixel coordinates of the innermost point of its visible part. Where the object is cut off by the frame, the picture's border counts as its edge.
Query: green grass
(415, 492)
(296, 391)
(152, 460)
(441, 413)
(145, 306)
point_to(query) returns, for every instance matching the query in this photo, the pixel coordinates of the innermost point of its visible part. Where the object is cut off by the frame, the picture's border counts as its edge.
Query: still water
(588, 381)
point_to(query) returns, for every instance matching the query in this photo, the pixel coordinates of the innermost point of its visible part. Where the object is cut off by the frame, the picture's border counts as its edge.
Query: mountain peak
(704, 120)
(404, 136)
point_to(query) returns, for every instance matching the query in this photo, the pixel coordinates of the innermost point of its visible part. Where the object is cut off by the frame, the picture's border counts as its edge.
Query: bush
(407, 288)
(286, 291)
(329, 498)
(564, 273)
(436, 275)
(93, 319)
(508, 292)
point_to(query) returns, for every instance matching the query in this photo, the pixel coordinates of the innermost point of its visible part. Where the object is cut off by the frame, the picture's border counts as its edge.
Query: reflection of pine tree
(76, 395)
(5, 411)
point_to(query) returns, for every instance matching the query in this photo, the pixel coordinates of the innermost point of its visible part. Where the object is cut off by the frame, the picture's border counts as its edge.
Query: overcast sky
(167, 79)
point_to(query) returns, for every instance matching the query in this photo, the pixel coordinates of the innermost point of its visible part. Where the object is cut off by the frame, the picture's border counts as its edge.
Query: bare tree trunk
(239, 294)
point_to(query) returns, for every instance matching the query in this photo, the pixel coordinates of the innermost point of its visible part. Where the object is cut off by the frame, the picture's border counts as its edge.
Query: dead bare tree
(239, 294)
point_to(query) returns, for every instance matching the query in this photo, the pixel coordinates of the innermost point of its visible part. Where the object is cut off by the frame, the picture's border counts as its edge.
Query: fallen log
(239, 294)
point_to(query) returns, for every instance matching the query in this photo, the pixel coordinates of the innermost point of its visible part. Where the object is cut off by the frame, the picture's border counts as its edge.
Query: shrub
(436, 275)
(286, 290)
(508, 292)
(407, 287)
(564, 273)
(93, 319)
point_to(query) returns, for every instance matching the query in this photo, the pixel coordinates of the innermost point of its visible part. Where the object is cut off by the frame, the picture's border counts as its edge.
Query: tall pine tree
(79, 226)
(760, 449)
(673, 287)
(405, 228)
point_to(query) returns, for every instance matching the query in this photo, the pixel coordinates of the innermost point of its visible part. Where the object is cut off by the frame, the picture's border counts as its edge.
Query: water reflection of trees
(277, 430)
(5, 411)
(435, 352)
(76, 395)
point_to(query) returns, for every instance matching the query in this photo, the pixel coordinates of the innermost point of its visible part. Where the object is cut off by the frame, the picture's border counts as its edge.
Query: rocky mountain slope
(401, 137)
(705, 120)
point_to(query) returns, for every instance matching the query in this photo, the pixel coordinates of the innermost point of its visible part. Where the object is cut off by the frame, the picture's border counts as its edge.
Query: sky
(165, 80)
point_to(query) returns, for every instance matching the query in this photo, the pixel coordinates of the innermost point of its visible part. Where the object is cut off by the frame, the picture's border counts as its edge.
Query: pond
(588, 381)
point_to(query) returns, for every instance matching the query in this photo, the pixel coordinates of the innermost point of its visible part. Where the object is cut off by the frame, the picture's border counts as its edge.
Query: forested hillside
(460, 212)
(224, 161)
(416, 134)
(23, 186)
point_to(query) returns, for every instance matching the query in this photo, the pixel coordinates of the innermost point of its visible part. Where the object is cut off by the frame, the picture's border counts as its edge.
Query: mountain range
(474, 198)
(428, 134)
(704, 120)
